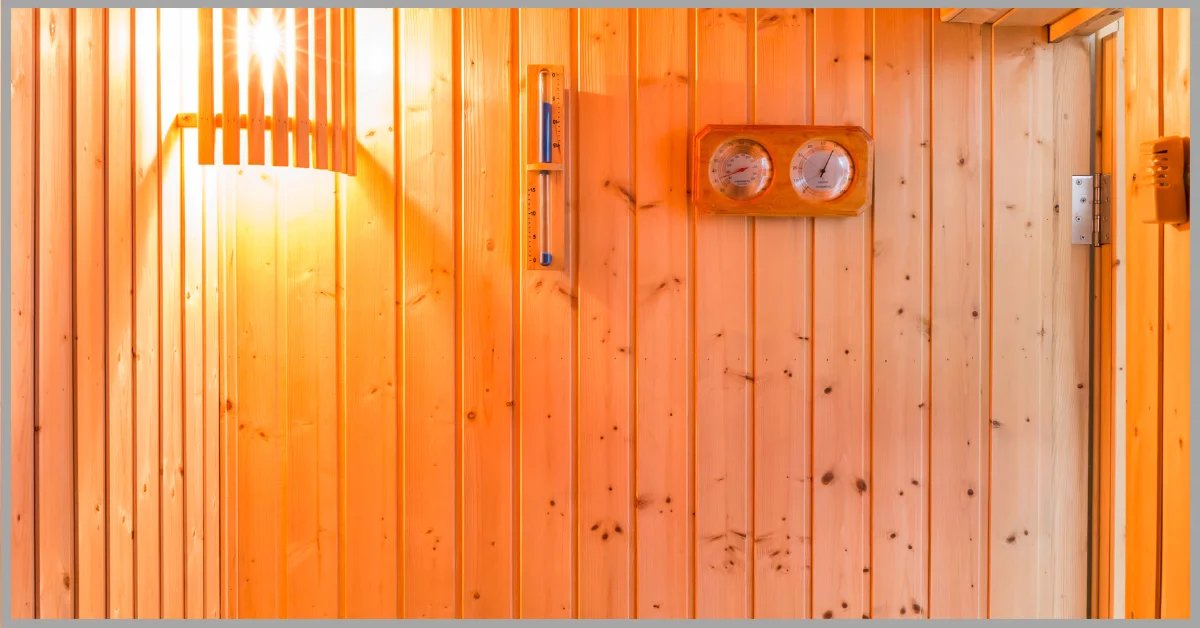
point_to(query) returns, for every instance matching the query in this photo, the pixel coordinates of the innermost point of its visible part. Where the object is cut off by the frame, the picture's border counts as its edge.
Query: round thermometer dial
(822, 170)
(740, 169)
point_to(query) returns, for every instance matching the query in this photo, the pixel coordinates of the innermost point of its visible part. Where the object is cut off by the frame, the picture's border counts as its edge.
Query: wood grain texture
(119, 315)
(606, 209)
(663, 530)
(279, 93)
(841, 338)
(336, 94)
(22, 521)
(146, 251)
(723, 339)
(204, 70)
(783, 339)
(57, 576)
(301, 143)
(488, 259)
(1021, 336)
(1143, 250)
(1033, 16)
(321, 90)
(960, 379)
(171, 314)
(213, 403)
(547, 393)
(901, 332)
(430, 240)
(1068, 360)
(90, 332)
(311, 395)
(231, 134)
(1176, 342)
(372, 516)
(259, 429)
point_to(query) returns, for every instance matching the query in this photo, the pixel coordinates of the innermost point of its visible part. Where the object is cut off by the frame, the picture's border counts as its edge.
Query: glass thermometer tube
(544, 122)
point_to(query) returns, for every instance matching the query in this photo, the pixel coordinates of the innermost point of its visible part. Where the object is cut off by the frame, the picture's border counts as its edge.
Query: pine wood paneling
(319, 395)
(782, 339)
(548, 306)
(431, 225)
(606, 213)
(23, 258)
(841, 338)
(901, 332)
(724, 376)
(960, 379)
(1176, 343)
(664, 436)
(57, 576)
(488, 260)
(1143, 326)
(90, 214)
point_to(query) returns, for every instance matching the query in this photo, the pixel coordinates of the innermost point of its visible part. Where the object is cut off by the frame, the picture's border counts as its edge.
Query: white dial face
(822, 170)
(740, 169)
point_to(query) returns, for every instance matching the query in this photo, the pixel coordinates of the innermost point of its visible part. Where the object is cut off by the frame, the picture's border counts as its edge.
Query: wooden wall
(114, 390)
(880, 416)
(1158, 400)
(716, 417)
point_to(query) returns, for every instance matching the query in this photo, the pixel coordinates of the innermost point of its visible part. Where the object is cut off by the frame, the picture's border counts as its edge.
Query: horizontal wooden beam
(192, 120)
(1033, 17)
(1083, 22)
(972, 16)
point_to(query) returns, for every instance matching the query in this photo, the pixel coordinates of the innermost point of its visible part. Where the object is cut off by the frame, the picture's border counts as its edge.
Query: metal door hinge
(1091, 209)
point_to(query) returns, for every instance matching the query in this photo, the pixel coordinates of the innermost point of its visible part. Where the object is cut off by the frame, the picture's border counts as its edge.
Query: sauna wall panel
(104, 262)
(1157, 337)
(697, 417)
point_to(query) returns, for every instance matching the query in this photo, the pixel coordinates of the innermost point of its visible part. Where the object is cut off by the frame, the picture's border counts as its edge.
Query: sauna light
(277, 87)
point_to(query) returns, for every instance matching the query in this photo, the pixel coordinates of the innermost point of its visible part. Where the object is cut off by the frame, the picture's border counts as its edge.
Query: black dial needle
(822, 175)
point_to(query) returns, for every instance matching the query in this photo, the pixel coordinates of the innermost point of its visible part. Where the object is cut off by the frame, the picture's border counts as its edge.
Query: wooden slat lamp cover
(277, 67)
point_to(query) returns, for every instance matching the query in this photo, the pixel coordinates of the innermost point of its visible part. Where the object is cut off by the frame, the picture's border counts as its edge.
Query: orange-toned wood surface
(1158, 397)
(698, 416)
(108, 414)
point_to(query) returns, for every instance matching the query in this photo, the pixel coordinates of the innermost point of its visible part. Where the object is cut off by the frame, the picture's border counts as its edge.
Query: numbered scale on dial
(741, 169)
(822, 170)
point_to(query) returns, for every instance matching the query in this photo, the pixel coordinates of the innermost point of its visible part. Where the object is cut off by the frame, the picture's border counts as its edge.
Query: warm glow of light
(265, 38)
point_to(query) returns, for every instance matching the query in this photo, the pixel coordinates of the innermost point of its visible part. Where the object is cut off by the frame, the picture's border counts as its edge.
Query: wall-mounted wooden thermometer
(545, 239)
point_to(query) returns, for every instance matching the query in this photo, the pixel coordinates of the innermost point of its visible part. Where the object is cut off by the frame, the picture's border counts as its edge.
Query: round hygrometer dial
(822, 170)
(740, 169)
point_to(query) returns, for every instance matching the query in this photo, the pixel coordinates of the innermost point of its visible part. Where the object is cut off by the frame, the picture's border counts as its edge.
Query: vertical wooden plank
(57, 578)
(225, 180)
(960, 311)
(195, 373)
(303, 126)
(279, 93)
(1120, 410)
(171, 314)
(23, 142)
(1067, 308)
(782, 337)
(214, 295)
(310, 528)
(335, 88)
(259, 427)
(841, 343)
(205, 76)
(606, 209)
(724, 333)
(321, 126)
(371, 471)
(662, 137)
(231, 133)
(351, 77)
(1143, 250)
(256, 150)
(901, 312)
(1176, 364)
(548, 305)
(1022, 334)
(120, 308)
(90, 213)
(430, 237)
(488, 171)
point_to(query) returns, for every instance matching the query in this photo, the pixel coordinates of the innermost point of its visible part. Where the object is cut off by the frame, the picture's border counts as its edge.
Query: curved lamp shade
(276, 88)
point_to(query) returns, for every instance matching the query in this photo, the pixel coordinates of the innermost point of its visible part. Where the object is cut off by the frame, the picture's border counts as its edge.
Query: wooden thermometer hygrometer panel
(766, 170)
